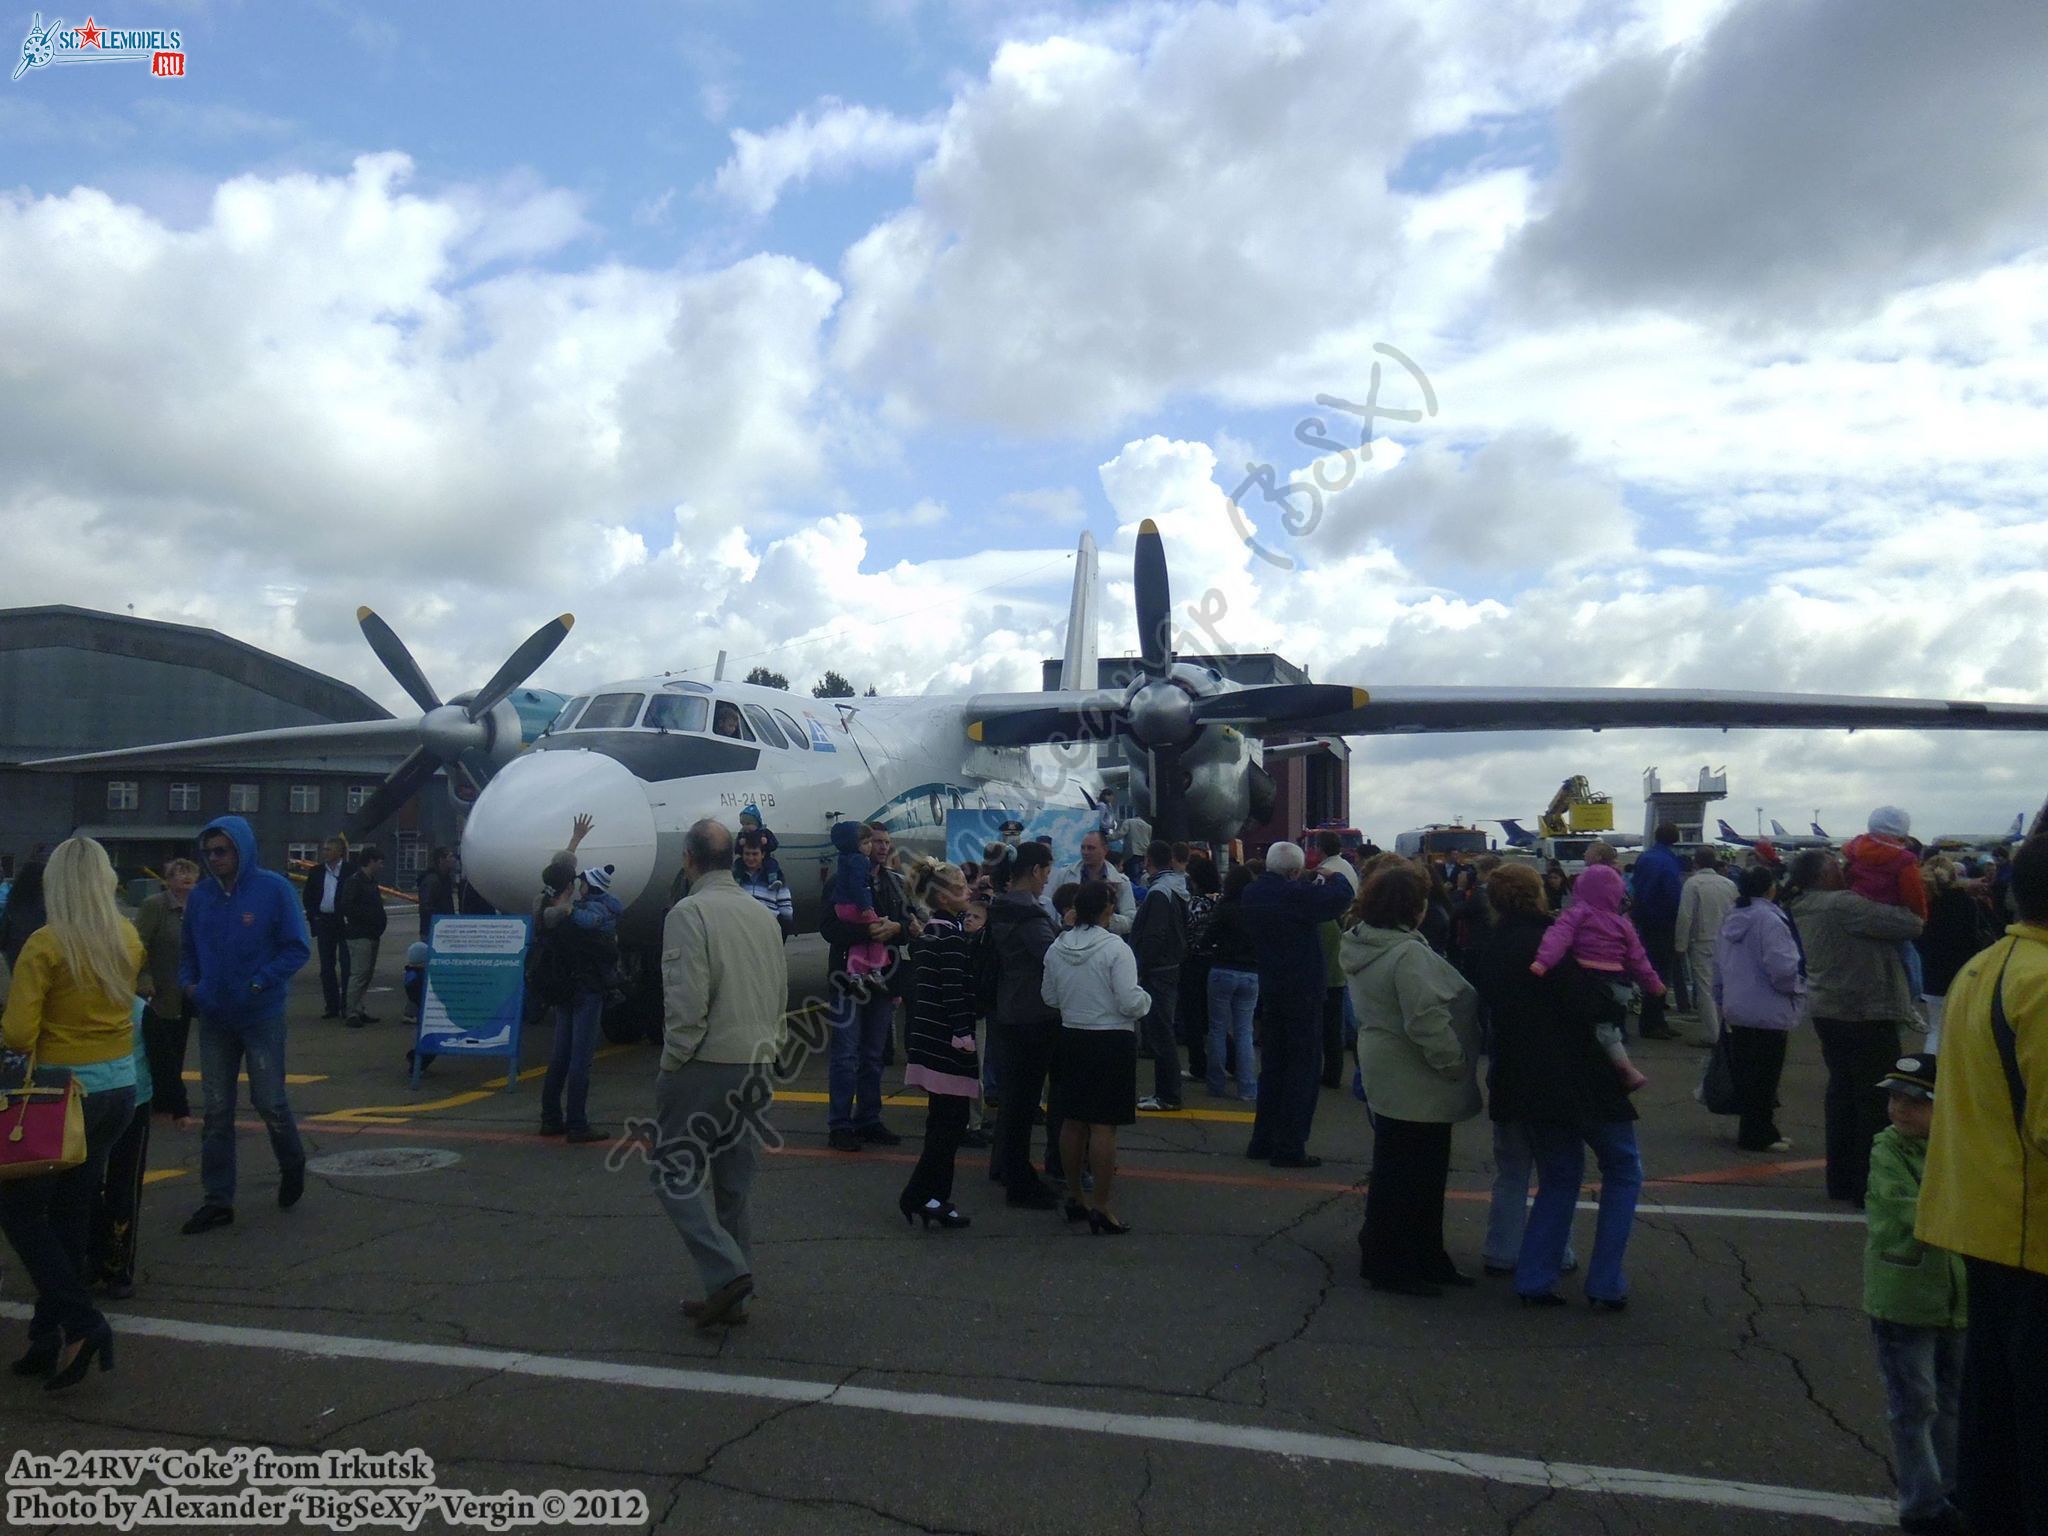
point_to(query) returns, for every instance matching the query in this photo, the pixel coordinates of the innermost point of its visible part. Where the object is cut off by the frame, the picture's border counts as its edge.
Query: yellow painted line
(1222, 1116)
(292, 1079)
(157, 1176)
(392, 1114)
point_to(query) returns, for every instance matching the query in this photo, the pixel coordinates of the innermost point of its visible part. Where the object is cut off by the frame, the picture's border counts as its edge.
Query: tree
(767, 679)
(831, 686)
(871, 690)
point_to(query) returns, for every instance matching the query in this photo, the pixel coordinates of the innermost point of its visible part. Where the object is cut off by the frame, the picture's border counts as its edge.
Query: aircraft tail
(1778, 829)
(2018, 828)
(1730, 835)
(1518, 836)
(1078, 668)
(1818, 829)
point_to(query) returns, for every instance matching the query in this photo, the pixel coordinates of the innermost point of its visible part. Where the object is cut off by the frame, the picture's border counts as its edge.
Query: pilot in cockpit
(725, 720)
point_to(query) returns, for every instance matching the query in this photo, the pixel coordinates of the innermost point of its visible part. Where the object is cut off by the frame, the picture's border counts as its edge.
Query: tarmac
(455, 1283)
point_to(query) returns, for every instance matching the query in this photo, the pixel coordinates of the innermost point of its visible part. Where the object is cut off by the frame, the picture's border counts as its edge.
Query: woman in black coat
(1551, 1078)
(1957, 928)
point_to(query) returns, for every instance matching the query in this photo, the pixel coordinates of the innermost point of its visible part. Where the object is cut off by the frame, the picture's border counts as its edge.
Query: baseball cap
(1913, 1075)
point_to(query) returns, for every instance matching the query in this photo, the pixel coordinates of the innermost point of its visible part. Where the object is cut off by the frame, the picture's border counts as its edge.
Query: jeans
(853, 1079)
(48, 1222)
(569, 1063)
(225, 1050)
(1560, 1169)
(1402, 1239)
(1233, 995)
(2001, 1476)
(1923, 1388)
(1514, 1159)
(1858, 1054)
(1160, 1042)
(1756, 1061)
(1289, 1068)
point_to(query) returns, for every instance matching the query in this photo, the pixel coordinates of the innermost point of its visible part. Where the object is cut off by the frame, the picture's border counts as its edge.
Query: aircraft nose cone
(523, 818)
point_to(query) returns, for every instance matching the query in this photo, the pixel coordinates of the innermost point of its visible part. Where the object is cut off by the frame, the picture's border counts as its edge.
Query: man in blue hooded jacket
(1654, 894)
(244, 940)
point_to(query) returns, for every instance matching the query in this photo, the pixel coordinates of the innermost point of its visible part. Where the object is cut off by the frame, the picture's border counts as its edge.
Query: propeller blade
(397, 659)
(521, 664)
(1154, 601)
(406, 780)
(1278, 703)
(1059, 722)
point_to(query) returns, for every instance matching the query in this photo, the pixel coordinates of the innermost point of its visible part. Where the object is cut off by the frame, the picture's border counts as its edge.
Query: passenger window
(798, 736)
(763, 726)
(677, 712)
(726, 721)
(611, 712)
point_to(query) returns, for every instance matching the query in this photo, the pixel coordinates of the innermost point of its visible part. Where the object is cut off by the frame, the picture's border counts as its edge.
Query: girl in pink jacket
(1594, 933)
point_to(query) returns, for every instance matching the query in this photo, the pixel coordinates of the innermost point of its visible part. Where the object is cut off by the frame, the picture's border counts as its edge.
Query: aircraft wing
(1399, 710)
(354, 739)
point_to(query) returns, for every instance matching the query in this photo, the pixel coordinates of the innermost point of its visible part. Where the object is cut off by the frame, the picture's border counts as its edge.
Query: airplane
(646, 757)
(1967, 840)
(1518, 836)
(1782, 839)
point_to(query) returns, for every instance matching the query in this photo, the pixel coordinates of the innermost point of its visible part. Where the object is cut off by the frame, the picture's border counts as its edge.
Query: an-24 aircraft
(646, 757)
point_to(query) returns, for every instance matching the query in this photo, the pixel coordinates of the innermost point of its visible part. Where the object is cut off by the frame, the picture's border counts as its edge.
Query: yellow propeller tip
(1360, 698)
(363, 613)
(567, 621)
(1148, 526)
(974, 731)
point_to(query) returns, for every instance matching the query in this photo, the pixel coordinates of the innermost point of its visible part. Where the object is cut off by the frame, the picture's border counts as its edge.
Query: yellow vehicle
(1576, 807)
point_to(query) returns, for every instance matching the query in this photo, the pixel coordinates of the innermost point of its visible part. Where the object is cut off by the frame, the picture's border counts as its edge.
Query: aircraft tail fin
(1729, 834)
(1518, 835)
(2018, 828)
(1818, 829)
(1778, 829)
(1078, 669)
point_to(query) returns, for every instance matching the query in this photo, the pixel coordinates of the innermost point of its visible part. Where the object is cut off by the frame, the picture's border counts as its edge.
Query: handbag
(1717, 1083)
(42, 1122)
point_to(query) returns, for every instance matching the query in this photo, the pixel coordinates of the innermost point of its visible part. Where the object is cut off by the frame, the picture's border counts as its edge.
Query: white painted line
(1754, 1213)
(1516, 1470)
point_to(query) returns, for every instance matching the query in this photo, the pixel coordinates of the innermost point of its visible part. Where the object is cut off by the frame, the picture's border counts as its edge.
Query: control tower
(1686, 807)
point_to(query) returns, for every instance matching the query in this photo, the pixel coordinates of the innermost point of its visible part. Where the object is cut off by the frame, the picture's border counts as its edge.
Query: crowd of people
(1482, 986)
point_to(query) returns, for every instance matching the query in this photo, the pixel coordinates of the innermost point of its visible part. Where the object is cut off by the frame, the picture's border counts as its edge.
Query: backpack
(985, 970)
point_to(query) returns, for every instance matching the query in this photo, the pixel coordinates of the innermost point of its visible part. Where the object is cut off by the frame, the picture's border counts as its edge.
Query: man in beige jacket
(725, 986)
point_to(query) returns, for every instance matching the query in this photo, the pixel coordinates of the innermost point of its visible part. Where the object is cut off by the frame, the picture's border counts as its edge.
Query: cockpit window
(798, 737)
(611, 712)
(570, 711)
(677, 712)
(726, 721)
(763, 726)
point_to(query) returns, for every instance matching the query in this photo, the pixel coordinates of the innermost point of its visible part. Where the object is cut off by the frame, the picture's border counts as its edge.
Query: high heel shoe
(1102, 1224)
(41, 1358)
(97, 1344)
(1076, 1211)
(1543, 1299)
(944, 1215)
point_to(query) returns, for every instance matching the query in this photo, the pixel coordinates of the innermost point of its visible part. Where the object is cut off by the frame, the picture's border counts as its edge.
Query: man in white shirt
(1094, 869)
(322, 897)
(1704, 903)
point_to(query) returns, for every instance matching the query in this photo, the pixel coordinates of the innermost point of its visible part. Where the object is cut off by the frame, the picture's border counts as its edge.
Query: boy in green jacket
(1915, 1297)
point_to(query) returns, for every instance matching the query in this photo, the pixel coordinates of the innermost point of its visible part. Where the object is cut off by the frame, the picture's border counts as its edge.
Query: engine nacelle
(1219, 769)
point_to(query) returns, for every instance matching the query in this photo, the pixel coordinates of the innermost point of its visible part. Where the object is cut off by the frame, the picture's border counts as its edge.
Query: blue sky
(752, 326)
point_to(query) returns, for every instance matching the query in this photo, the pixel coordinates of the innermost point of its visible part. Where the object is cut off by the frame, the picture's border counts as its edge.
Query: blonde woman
(72, 1007)
(939, 1051)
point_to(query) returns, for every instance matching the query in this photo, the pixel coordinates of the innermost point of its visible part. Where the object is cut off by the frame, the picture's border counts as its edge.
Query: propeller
(468, 724)
(1172, 713)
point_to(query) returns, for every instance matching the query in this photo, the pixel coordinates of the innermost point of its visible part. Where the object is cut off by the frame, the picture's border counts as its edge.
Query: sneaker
(1157, 1105)
(207, 1217)
(1781, 1145)
(583, 1135)
(879, 1135)
(291, 1185)
(845, 1141)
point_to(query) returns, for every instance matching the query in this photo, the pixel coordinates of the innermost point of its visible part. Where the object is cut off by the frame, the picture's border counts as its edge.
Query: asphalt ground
(511, 1308)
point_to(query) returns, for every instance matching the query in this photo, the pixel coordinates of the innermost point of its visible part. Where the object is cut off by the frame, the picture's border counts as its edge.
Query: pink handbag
(42, 1123)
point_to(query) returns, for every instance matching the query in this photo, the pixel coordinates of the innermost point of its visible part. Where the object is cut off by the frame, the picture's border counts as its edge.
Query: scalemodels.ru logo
(162, 48)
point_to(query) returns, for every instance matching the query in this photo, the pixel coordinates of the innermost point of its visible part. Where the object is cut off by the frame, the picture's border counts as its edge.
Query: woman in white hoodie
(1091, 977)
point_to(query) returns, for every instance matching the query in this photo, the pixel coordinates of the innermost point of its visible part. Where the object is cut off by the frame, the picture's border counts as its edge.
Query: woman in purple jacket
(1758, 982)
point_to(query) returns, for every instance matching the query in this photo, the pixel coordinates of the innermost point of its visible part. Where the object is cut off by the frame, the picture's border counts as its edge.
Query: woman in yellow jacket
(72, 1007)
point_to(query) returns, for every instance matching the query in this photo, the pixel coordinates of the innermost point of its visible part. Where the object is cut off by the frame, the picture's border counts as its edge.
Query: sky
(1711, 345)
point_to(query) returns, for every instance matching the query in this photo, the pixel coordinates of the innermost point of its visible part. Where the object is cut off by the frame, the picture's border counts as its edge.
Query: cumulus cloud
(1805, 158)
(831, 141)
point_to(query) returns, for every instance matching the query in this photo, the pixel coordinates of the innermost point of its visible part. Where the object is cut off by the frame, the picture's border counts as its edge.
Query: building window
(359, 796)
(303, 853)
(412, 853)
(305, 799)
(184, 797)
(244, 799)
(123, 795)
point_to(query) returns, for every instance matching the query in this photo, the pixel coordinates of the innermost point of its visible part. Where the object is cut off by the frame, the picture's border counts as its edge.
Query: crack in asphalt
(1329, 1284)
(1144, 1493)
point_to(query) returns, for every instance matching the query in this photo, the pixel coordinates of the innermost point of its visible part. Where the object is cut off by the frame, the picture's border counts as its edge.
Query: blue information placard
(476, 988)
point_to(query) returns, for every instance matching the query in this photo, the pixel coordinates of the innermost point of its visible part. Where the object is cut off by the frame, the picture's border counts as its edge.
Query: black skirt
(1095, 1075)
